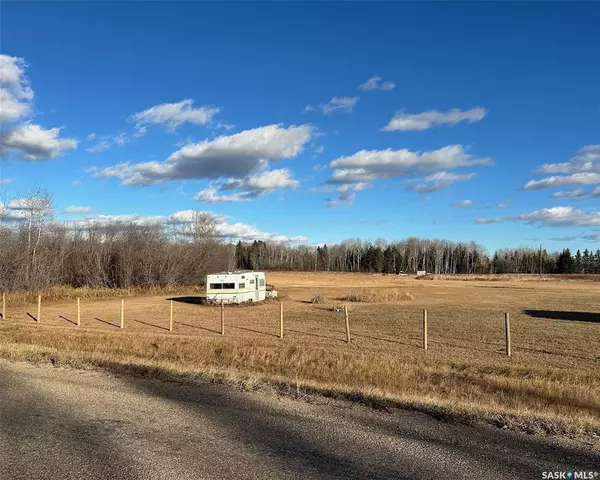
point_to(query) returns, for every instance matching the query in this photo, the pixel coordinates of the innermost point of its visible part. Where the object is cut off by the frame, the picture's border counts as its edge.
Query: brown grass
(55, 294)
(376, 295)
(513, 277)
(551, 384)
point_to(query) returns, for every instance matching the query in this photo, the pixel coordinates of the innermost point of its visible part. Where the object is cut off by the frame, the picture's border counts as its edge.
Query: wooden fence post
(425, 329)
(171, 318)
(222, 318)
(39, 315)
(280, 319)
(347, 324)
(122, 312)
(4, 306)
(78, 312)
(507, 332)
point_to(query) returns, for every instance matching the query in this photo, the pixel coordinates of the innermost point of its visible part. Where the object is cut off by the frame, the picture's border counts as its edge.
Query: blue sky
(311, 122)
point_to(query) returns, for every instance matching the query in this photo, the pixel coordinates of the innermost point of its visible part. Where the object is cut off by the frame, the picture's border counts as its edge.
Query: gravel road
(69, 424)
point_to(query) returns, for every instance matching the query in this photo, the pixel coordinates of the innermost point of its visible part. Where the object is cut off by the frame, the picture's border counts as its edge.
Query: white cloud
(11, 215)
(32, 142)
(582, 178)
(489, 220)
(336, 104)
(25, 141)
(5, 181)
(91, 136)
(439, 181)
(245, 232)
(268, 180)
(353, 175)
(346, 194)
(140, 132)
(224, 229)
(109, 141)
(343, 200)
(503, 205)
(103, 221)
(593, 237)
(370, 165)
(578, 194)
(238, 155)
(121, 139)
(339, 104)
(24, 204)
(15, 92)
(100, 147)
(173, 115)
(582, 169)
(252, 187)
(568, 194)
(552, 217)
(355, 187)
(11, 109)
(375, 83)
(73, 209)
(12, 77)
(20, 209)
(432, 118)
(211, 195)
(223, 126)
(587, 159)
(463, 203)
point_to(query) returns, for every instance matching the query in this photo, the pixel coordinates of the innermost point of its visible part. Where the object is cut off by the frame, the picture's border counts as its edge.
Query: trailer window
(242, 285)
(262, 282)
(251, 282)
(229, 286)
(216, 286)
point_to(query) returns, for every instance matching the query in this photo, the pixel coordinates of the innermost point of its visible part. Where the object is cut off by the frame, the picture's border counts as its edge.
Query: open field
(550, 385)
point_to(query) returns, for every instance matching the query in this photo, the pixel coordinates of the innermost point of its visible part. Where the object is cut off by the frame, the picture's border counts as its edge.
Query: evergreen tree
(578, 264)
(564, 263)
(240, 256)
(587, 266)
(378, 260)
(388, 260)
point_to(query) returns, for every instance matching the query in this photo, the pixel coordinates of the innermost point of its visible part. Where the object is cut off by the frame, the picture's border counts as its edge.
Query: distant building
(236, 287)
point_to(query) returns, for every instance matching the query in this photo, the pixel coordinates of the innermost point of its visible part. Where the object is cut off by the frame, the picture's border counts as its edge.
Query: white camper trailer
(236, 287)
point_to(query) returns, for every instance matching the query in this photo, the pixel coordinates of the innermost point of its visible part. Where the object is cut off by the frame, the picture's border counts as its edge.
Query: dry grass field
(550, 385)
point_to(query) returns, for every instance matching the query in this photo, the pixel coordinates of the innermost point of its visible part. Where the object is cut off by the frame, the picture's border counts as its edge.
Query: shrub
(376, 296)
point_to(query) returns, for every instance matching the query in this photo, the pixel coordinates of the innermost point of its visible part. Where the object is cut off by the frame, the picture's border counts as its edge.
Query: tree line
(412, 255)
(38, 252)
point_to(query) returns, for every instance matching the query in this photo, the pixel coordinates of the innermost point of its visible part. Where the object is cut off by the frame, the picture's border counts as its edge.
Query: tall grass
(54, 294)
(380, 295)
(520, 397)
